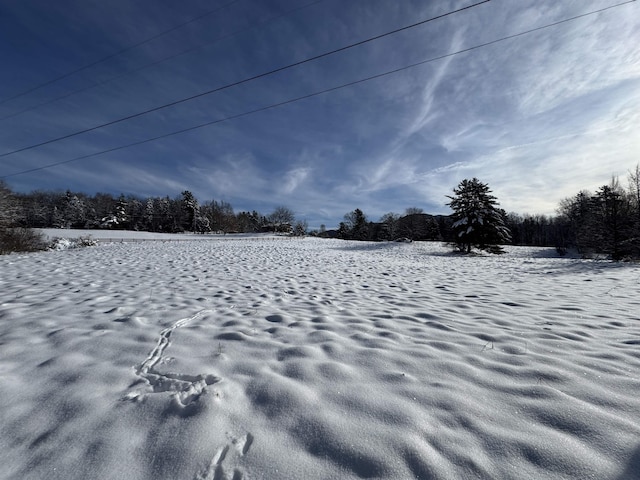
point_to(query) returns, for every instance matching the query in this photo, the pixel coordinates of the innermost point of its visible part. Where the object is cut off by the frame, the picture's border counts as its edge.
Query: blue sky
(538, 117)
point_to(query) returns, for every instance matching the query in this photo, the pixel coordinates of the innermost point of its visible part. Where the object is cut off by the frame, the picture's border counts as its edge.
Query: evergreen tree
(433, 229)
(612, 216)
(390, 221)
(418, 226)
(601, 223)
(73, 211)
(343, 231)
(104, 205)
(149, 215)
(577, 213)
(192, 209)
(118, 218)
(478, 222)
(356, 226)
(162, 214)
(136, 214)
(121, 212)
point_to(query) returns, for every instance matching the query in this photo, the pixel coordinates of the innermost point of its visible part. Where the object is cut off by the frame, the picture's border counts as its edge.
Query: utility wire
(119, 52)
(240, 82)
(170, 57)
(320, 92)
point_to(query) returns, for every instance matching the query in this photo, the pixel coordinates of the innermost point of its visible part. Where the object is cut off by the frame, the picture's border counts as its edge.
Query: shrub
(20, 240)
(87, 241)
(66, 243)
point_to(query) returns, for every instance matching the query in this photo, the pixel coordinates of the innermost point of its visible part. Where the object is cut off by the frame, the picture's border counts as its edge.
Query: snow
(108, 235)
(278, 358)
(460, 222)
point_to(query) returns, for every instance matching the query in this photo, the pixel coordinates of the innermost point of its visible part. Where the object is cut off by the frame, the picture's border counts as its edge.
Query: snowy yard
(258, 358)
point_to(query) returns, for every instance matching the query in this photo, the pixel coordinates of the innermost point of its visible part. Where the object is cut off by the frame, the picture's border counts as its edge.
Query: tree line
(46, 209)
(606, 222)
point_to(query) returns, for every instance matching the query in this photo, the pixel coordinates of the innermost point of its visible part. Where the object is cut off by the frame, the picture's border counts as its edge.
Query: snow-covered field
(258, 358)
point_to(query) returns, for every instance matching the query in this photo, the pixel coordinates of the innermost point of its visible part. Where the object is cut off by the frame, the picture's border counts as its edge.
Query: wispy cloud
(538, 117)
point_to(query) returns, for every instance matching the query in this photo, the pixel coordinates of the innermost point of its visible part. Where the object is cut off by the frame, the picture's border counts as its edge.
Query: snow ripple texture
(258, 358)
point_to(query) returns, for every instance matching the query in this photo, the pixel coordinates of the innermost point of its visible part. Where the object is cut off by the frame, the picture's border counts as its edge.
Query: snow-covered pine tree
(73, 211)
(478, 222)
(192, 208)
(118, 218)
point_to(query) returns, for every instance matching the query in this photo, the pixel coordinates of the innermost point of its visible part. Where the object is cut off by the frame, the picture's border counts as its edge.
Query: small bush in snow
(66, 243)
(60, 244)
(20, 240)
(86, 241)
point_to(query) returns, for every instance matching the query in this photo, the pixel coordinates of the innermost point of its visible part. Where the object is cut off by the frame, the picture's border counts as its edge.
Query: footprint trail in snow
(216, 471)
(186, 388)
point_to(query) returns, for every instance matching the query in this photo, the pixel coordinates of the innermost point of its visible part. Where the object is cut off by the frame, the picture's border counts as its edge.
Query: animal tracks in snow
(186, 388)
(237, 447)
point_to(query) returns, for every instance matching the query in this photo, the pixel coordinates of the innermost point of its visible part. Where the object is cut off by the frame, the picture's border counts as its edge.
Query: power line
(119, 52)
(240, 82)
(171, 57)
(320, 92)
